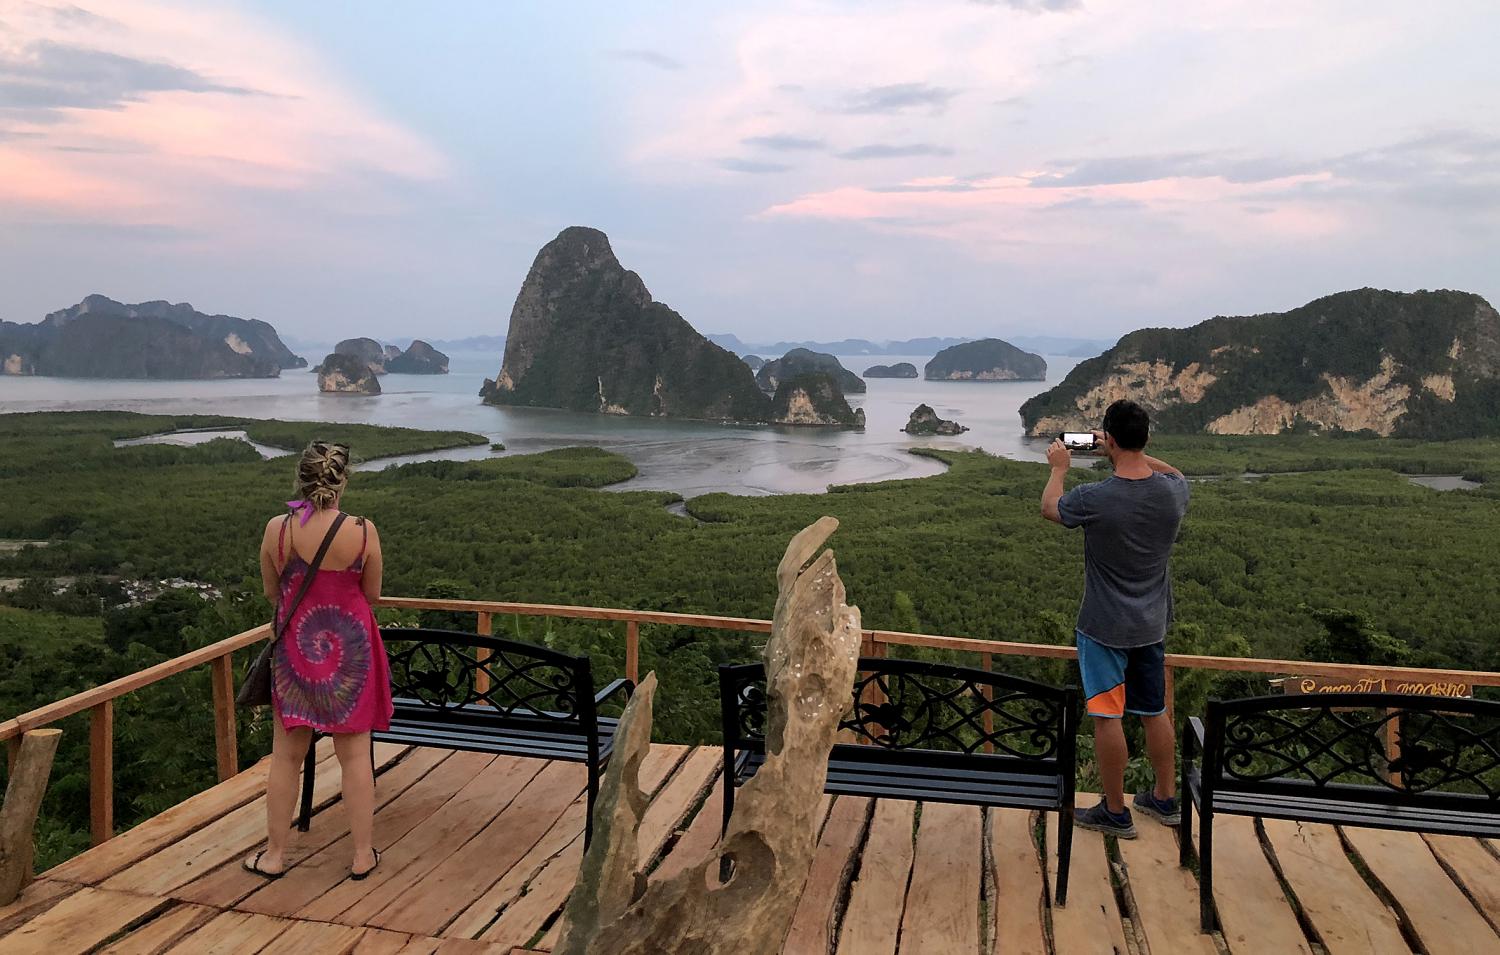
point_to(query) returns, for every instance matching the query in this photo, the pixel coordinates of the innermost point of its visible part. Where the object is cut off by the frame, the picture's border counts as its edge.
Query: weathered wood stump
(741, 897)
(23, 800)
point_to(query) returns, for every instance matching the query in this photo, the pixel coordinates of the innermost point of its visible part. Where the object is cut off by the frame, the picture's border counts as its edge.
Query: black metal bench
(924, 728)
(485, 694)
(1329, 759)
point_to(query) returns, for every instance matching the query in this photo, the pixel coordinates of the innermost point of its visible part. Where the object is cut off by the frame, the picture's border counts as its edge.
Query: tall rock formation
(419, 359)
(367, 350)
(346, 374)
(1412, 364)
(102, 338)
(585, 335)
(801, 361)
(988, 359)
(924, 420)
(814, 399)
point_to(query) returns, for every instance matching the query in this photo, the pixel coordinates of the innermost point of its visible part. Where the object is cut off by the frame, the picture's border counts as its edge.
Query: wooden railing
(100, 704)
(100, 700)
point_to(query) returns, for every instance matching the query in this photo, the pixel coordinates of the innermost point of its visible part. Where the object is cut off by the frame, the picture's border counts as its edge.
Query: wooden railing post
(226, 745)
(12, 751)
(1171, 695)
(485, 628)
(23, 800)
(102, 771)
(1392, 746)
(633, 651)
(874, 694)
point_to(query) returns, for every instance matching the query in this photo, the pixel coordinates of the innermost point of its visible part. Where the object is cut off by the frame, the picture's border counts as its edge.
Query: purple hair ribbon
(306, 507)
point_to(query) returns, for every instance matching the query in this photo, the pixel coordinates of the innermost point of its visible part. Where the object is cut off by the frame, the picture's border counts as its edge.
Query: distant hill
(800, 361)
(901, 369)
(495, 343)
(1417, 364)
(102, 338)
(585, 335)
(1056, 345)
(988, 359)
(845, 346)
(1044, 344)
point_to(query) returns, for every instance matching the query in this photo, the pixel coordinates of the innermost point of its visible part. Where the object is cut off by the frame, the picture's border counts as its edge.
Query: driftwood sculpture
(23, 799)
(740, 898)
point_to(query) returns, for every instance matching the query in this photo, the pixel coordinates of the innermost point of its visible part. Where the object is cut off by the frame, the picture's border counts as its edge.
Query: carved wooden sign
(1316, 685)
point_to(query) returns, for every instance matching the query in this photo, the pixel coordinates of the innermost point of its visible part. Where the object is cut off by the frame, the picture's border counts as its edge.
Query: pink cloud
(1011, 207)
(221, 104)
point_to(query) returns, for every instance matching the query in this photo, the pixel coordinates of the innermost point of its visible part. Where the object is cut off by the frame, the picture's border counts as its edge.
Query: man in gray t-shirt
(1129, 523)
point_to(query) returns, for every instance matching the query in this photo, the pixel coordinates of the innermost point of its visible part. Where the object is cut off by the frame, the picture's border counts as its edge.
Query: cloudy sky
(778, 169)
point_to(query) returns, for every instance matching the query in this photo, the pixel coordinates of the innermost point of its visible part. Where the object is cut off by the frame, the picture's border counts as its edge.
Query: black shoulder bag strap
(256, 690)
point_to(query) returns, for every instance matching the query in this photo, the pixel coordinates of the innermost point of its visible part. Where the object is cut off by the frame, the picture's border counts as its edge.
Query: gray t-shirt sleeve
(1074, 508)
(1180, 491)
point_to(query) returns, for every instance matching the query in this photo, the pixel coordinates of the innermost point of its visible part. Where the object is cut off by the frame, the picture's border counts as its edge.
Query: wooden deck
(480, 853)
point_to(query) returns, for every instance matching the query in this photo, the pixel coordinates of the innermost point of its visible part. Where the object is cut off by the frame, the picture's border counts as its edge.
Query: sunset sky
(779, 169)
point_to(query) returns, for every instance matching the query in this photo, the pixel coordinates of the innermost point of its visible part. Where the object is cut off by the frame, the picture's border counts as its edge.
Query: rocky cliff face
(345, 374)
(814, 399)
(1419, 364)
(419, 359)
(924, 420)
(988, 359)
(102, 338)
(800, 361)
(585, 335)
(901, 369)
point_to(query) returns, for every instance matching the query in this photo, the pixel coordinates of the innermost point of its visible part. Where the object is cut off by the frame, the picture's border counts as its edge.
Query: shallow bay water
(689, 457)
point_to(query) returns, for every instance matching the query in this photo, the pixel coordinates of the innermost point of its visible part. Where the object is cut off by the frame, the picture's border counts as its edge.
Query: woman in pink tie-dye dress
(329, 671)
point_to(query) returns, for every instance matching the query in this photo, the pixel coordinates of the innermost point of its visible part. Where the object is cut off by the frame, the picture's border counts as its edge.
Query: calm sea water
(688, 457)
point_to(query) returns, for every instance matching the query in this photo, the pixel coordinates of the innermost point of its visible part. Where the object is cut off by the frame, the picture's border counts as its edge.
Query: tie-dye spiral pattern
(330, 670)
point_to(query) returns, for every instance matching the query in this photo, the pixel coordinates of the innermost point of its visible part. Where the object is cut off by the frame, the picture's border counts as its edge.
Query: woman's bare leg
(353, 751)
(288, 747)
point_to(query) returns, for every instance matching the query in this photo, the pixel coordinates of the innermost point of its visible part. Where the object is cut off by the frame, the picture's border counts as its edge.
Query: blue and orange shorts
(1117, 681)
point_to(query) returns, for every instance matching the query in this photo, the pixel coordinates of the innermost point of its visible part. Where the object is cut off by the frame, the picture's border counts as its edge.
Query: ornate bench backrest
(1375, 747)
(916, 705)
(442, 670)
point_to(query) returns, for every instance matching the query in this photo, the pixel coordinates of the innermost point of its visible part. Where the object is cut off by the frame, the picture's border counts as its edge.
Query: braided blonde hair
(322, 474)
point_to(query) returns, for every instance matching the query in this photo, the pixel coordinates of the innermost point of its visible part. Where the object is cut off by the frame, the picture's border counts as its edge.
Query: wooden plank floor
(480, 852)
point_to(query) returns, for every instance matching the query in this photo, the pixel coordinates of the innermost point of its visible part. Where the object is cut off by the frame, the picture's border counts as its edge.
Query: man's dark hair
(1128, 423)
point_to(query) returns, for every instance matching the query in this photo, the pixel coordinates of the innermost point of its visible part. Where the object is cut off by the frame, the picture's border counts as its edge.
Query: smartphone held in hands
(1080, 441)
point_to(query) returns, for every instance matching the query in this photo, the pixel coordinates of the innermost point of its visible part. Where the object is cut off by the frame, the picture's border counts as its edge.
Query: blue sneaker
(1166, 810)
(1100, 819)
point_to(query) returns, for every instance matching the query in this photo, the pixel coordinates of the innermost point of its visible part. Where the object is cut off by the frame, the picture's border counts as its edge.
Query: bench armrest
(1192, 740)
(623, 683)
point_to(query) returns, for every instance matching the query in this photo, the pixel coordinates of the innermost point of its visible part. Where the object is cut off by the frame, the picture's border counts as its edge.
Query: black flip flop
(361, 876)
(253, 866)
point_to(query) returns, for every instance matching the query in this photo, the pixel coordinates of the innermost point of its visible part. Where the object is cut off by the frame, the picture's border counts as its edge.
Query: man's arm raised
(1160, 466)
(1060, 460)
